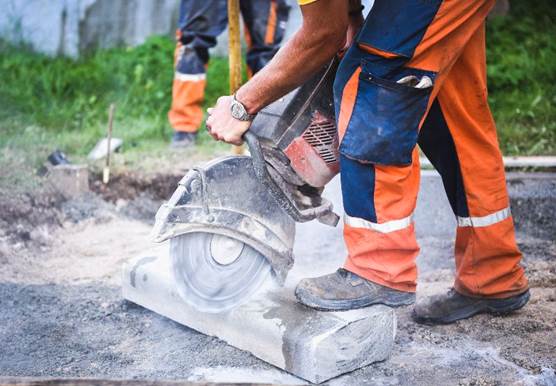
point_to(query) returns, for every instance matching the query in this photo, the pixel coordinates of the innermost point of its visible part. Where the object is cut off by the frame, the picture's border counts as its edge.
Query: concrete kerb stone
(70, 180)
(313, 345)
(535, 162)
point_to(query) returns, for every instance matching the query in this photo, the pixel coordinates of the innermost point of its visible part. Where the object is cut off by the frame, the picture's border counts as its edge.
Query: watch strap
(246, 116)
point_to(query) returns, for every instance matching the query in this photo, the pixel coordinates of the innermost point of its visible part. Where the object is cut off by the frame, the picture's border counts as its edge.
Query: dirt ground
(63, 314)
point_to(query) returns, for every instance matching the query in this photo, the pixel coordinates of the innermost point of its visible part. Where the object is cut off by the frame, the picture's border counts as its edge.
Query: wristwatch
(239, 111)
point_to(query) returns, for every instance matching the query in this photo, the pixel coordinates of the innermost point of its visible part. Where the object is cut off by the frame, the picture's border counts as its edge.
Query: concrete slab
(313, 345)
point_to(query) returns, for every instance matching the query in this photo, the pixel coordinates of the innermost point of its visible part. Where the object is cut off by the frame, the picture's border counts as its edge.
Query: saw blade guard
(225, 197)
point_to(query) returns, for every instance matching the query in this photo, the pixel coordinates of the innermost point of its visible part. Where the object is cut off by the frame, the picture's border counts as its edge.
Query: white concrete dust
(80, 253)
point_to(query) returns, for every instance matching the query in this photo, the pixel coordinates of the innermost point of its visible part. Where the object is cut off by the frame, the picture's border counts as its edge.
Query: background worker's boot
(182, 139)
(344, 290)
(453, 306)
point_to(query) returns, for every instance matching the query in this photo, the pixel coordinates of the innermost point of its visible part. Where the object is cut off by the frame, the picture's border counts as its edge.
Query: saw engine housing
(301, 127)
(257, 199)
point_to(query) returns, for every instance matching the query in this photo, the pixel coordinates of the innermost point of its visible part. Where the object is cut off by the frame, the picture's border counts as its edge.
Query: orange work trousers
(417, 74)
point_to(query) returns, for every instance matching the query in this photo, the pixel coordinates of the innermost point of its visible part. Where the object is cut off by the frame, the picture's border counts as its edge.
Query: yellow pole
(234, 53)
(106, 170)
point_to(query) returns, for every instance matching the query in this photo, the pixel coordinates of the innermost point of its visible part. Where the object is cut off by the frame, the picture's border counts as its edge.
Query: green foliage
(521, 55)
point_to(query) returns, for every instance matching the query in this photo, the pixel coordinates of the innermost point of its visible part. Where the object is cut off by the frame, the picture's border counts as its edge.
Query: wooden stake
(234, 53)
(106, 170)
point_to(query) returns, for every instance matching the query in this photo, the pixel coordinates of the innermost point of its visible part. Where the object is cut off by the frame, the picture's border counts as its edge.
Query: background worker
(416, 73)
(200, 23)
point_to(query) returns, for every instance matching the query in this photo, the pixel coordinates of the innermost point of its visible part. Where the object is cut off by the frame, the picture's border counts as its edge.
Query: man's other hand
(222, 126)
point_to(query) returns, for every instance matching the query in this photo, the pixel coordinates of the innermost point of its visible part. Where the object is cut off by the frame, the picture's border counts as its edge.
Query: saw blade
(216, 273)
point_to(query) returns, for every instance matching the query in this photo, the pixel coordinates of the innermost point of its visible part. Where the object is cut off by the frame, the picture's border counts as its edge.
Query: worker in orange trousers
(200, 23)
(414, 73)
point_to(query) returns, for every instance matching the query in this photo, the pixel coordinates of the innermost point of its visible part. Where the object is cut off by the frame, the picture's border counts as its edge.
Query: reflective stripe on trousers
(387, 227)
(484, 221)
(395, 225)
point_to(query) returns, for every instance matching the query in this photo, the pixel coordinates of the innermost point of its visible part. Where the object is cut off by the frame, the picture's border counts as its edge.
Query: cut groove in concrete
(313, 345)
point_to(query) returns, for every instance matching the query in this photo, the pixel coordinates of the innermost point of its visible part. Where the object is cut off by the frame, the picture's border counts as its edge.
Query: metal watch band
(239, 111)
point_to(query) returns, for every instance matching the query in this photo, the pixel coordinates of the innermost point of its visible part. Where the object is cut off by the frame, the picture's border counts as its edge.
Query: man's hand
(222, 126)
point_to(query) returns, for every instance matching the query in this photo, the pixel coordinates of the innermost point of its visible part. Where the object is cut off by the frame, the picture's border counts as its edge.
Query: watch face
(238, 111)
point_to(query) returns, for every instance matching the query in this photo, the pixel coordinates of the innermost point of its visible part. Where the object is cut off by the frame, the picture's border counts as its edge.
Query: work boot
(343, 290)
(453, 306)
(182, 139)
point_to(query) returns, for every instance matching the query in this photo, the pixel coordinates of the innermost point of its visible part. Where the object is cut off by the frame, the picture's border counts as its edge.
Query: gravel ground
(63, 315)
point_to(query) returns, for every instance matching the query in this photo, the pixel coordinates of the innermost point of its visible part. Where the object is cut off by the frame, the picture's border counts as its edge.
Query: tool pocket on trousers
(385, 120)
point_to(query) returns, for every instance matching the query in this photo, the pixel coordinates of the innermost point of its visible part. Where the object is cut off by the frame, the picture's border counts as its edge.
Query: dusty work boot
(344, 290)
(181, 139)
(453, 306)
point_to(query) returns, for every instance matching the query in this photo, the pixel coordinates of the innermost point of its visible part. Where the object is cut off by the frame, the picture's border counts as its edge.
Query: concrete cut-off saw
(231, 222)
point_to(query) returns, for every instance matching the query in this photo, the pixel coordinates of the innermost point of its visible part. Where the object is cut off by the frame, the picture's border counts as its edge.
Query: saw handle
(323, 212)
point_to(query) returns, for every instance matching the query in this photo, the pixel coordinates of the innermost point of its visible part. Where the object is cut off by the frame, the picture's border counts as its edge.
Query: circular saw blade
(215, 273)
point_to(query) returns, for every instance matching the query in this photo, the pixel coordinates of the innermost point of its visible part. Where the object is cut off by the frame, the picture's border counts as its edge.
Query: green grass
(521, 55)
(50, 103)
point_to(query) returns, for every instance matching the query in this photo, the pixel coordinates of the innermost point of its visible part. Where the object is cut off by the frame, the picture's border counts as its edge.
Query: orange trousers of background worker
(200, 23)
(417, 74)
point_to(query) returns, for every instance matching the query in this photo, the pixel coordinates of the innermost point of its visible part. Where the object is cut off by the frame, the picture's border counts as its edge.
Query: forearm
(314, 45)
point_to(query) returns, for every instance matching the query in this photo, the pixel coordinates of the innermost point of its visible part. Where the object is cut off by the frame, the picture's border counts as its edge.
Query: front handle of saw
(323, 213)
